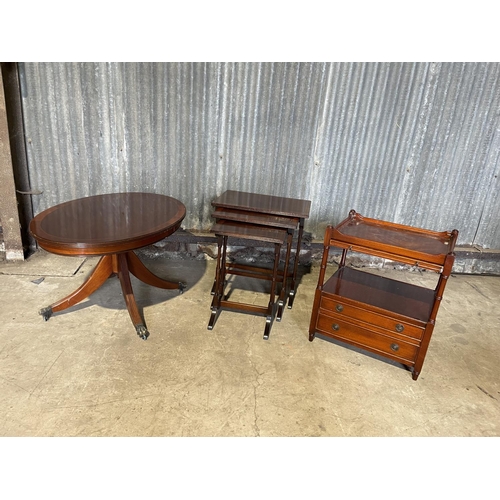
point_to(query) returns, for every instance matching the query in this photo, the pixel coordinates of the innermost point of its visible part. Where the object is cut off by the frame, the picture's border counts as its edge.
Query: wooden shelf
(383, 293)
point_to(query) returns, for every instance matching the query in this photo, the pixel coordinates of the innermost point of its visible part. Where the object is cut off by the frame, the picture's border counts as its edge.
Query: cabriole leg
(100, 274)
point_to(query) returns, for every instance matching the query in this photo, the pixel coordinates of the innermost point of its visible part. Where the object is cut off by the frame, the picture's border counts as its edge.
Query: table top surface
(249, 231)
(260, 218)
(275, 205)
(107, 223)
(411, 239)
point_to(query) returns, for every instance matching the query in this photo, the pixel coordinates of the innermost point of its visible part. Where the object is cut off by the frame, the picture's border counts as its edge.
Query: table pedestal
(121, 264)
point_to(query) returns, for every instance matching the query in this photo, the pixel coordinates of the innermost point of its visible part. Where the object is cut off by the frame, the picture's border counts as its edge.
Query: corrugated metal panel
(414, 143)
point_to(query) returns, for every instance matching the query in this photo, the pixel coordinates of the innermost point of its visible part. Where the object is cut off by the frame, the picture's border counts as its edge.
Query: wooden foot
(267, 330)
(281, 307)
(214, 314)
(291, 296)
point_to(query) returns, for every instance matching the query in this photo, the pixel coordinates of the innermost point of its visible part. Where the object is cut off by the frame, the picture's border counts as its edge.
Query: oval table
(113, 226)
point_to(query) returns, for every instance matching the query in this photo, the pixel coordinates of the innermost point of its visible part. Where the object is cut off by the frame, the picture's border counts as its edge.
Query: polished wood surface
(249, 231)
(355, 333)
(375, 316)
(273, 211)
(390, 295)
(276, 205)
(111, 225)
(261, 219)
(107, 223)
(225, 229)
(382, 315)
(390, 240)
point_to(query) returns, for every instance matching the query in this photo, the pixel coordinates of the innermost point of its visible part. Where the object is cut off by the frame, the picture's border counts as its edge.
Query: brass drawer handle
(395, 347)
(336, 327)
(339, 308)
(399, 327)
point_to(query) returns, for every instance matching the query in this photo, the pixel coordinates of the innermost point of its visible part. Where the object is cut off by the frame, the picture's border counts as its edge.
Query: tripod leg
(100, 274)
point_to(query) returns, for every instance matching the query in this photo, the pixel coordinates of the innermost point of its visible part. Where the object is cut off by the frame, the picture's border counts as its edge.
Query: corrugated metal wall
(415, 143)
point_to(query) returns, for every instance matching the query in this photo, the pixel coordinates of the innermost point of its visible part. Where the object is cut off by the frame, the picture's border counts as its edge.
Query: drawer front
(389, 324)
(382, 344)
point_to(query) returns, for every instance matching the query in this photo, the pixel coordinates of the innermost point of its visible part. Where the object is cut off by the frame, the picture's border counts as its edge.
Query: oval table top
(107, 223)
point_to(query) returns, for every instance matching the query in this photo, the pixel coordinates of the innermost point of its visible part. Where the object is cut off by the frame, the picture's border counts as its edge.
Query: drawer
(364, 337)
(392, 325)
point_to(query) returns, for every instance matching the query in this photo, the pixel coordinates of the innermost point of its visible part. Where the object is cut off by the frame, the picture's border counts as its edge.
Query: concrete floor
(86, 373)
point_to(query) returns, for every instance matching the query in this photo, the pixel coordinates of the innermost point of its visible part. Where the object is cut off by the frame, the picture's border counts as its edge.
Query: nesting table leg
(217, 268)
(296, 264)
(270, 307)
(284, 287)
(220, 278)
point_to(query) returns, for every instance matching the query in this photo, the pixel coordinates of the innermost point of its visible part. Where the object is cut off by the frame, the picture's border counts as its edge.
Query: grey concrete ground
(86, 373)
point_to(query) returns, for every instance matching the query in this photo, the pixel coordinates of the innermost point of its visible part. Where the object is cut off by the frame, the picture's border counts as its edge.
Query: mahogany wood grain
(128, 292)
(258, 218)
(100, 274)
(372, 316)
(382, 315)
(396, 241)
(383, 293)
(275, 211)
(108, 223)
(225, 229)
(111, 225)
(248, 231)
(276, 205)
(368, 339)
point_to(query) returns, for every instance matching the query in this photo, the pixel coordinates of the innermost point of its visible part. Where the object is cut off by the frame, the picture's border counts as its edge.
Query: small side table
(258, 217)
(388, 317)
(282, 208)
(224, 230)
(113, 226)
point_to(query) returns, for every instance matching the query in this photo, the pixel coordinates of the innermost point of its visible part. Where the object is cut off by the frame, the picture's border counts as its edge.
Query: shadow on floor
(235, 284)
(110, 296)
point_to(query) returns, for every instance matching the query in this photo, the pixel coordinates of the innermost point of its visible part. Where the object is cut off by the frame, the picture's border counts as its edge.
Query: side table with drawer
(391, 318)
